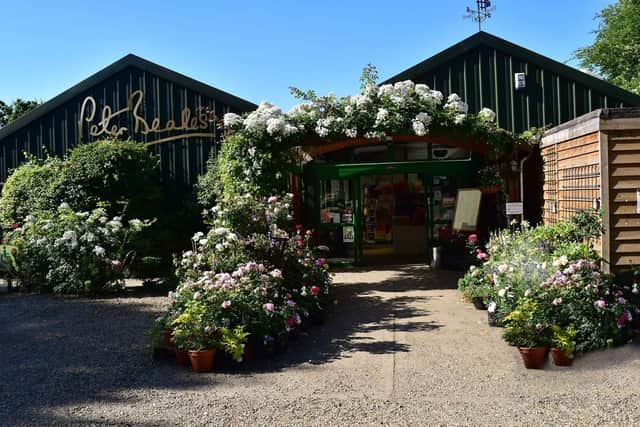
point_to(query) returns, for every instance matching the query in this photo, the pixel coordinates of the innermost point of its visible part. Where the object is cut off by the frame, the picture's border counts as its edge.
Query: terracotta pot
(533, 357)
(202, 360)
(182, 357)
(166, 338)
(559, 358)
(478, 303)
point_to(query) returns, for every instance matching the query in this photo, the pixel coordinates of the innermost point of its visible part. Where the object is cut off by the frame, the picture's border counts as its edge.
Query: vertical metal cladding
(485, 78)
(182, 156)
(482, 70)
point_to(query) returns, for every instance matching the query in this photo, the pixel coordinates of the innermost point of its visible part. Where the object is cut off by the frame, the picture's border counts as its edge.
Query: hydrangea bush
(71, 252)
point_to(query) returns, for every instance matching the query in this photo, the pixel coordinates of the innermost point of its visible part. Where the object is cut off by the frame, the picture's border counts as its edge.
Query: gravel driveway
(401, 349)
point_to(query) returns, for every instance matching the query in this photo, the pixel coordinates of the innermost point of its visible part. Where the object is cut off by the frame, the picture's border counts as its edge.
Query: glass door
(338, 227)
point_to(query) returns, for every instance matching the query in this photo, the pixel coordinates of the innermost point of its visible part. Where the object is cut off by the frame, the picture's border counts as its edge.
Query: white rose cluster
(487, 115)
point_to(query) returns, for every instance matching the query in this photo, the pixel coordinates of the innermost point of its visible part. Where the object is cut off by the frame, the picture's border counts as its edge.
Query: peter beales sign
(192, 124)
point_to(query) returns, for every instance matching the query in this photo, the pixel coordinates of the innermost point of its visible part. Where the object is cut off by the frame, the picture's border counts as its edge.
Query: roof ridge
(129, 60)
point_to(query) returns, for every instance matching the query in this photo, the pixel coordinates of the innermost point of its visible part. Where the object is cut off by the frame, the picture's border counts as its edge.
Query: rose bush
(65, 251)
(555, 269)
(250, 273)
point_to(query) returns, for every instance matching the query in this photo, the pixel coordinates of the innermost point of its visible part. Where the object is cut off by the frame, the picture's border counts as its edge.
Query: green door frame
(353, 172)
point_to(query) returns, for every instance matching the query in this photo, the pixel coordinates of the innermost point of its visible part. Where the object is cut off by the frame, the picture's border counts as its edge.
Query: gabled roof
(485, 39)
(129, 60)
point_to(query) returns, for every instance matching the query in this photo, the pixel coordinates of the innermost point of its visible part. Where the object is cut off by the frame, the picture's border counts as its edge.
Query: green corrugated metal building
(482, 70)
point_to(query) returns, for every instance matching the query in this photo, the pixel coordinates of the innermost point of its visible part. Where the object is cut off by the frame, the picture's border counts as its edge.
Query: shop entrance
(389, 213)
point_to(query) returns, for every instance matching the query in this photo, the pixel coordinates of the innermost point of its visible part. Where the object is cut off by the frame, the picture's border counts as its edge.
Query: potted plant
(490, 180)
(195, 331)
(563, 345)
(478, 294)
(494, 315)
(525, 328)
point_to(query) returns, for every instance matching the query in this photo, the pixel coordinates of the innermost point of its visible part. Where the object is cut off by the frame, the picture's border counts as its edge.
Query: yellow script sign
(188, 126)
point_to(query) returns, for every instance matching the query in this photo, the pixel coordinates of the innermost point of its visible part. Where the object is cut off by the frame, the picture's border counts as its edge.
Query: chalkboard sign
(467, 209)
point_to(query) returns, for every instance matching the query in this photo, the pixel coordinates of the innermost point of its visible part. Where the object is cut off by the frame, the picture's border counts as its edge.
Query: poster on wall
(467, 209)
(348, 234)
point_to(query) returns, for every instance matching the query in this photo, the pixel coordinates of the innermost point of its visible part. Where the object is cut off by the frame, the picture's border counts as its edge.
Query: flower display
(554, 268)
(73, 252)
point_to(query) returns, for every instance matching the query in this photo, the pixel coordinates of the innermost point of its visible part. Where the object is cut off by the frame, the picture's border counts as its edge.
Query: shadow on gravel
(58, 352)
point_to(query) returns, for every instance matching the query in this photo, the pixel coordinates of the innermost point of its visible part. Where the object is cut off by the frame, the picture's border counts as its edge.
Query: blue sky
(257, 49)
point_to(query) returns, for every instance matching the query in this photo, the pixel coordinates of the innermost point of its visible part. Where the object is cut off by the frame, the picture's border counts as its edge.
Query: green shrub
(71, 252)
(35, 186)
(115, 172)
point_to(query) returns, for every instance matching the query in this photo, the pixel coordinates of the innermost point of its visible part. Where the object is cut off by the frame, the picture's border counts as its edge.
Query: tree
(10, 112)
(615, 53)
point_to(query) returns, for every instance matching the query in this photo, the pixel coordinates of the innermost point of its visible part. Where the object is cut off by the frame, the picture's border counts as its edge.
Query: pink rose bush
(555, 268)
(252, 276)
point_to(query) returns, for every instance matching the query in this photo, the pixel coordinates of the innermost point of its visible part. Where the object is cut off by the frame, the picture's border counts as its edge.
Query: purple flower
(622, 300)
(600, 303)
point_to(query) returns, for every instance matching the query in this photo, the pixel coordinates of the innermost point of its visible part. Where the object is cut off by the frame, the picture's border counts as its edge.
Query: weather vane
(482, 12)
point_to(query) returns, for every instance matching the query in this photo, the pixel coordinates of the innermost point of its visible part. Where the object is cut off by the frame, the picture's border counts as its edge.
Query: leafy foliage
(615, 53)
(33, 187)
(11, 112)
(555, 268)
(71, 252)
(115, 172)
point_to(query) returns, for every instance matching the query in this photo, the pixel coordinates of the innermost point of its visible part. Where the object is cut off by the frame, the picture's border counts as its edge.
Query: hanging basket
(490, 189)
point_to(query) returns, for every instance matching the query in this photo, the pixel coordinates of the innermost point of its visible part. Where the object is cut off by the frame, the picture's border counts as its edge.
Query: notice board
(467, 209)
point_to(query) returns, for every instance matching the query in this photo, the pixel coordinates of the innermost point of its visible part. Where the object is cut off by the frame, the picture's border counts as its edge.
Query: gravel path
(401, 349)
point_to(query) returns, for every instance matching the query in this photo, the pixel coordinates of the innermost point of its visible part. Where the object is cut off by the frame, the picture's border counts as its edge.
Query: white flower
(219, 247)
(197, 236)
(473, 267)
(492, 307)
(232, 120)
(381, 116)
(528, 293)
(420, 123)
(220, 231)
(64, 205)
(99, 251)
(276, 274)
(502, 292)
(351, 132)
(456, 104)
(275, 126)
(135, 223)
(252, 152)
(502, 268)
(560, 262)
(459, 119)
(487, 115)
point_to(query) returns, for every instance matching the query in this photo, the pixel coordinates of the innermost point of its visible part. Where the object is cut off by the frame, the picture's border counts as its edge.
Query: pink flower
(226, 304)
(600, 303)
(291, 323)
(315, 290)
(482, 256)
(269, 307)
(473, 238)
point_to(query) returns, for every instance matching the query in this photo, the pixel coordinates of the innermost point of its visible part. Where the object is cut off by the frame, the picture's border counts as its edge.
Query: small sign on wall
(348, 233)
(514, 208)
